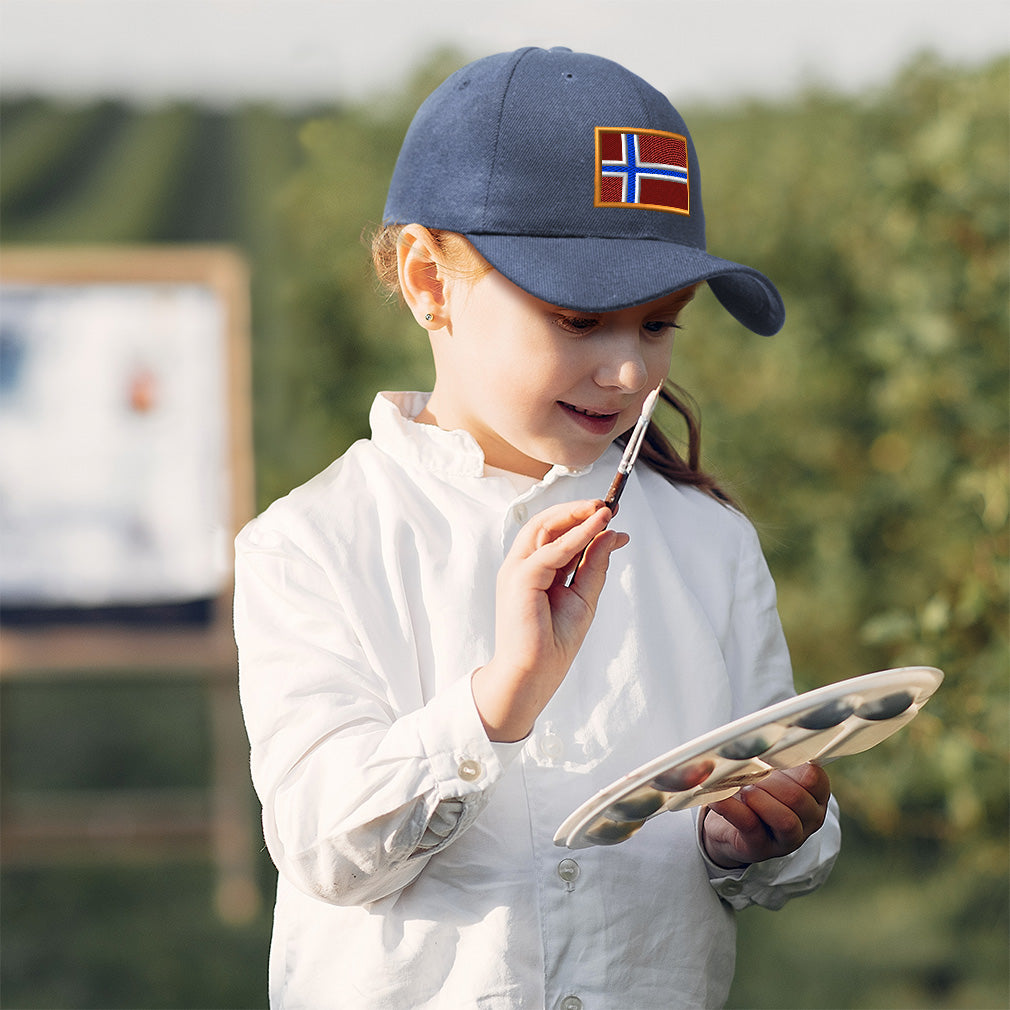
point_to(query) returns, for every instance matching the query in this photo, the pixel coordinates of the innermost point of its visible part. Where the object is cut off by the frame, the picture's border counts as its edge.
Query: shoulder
(689, 508)
(712, 544)
(323, 506)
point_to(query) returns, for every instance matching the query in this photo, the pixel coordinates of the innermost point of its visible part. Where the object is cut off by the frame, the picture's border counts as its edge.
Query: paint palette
(819, 726)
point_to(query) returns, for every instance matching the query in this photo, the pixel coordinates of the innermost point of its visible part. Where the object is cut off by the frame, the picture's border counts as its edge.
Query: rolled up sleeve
(357, 794)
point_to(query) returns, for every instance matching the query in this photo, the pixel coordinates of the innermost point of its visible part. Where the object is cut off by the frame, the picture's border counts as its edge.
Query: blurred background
(856, 152)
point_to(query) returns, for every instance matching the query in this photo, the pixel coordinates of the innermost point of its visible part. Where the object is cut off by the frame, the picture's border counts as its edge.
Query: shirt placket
(570, 897)
(569, 905)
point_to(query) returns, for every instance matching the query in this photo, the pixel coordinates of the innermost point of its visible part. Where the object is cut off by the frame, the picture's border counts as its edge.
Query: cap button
(559, 49)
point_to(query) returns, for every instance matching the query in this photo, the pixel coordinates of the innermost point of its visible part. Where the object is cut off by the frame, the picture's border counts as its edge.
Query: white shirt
(417, 863)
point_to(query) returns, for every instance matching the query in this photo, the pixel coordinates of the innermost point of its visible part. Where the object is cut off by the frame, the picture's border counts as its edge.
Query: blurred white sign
(114, 483)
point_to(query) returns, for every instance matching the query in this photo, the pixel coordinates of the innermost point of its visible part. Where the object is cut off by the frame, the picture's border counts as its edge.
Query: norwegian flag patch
(642, 168)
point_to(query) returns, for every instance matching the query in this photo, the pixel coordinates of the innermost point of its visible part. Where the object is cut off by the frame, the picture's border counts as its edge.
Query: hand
(540, 622)
(771, 818)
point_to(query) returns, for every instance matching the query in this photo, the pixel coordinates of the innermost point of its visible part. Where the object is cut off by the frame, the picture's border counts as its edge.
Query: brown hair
(657, 452)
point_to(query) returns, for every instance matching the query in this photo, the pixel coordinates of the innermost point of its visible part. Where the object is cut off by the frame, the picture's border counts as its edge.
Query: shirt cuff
(772, 882)
(462, 759)
(466, 764)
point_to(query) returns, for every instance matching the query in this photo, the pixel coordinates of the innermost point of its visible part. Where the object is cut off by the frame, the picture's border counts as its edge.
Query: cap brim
(606, 274)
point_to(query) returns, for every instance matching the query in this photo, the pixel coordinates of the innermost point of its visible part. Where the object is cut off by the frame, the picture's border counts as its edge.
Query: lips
(587, 412)
(595, 421)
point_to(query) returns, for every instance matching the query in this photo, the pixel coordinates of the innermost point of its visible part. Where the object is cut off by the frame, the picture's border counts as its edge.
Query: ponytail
(659, 454)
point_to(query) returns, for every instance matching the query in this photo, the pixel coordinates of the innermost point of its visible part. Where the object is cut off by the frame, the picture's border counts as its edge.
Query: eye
(577, 324)
(660, 326)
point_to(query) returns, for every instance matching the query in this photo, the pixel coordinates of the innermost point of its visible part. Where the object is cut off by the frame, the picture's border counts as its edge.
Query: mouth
(595, 421)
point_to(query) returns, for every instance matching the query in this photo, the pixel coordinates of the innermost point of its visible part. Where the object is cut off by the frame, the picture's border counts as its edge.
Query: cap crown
(573, 178)
(509, 145)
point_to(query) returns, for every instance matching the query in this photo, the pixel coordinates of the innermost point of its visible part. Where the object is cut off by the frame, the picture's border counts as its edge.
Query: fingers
(555, 539)
(788, 810)
(562, 522)
(813, 779)
(781, 798)
(774, 816)
(591, 573)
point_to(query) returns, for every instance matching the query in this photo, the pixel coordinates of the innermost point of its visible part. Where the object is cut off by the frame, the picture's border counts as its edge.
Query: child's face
(538, 385)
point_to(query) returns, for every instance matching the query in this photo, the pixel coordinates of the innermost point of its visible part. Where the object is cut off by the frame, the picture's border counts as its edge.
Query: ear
(422, 277)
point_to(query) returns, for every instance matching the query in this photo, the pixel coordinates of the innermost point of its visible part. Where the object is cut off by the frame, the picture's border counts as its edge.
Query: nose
(622, 365)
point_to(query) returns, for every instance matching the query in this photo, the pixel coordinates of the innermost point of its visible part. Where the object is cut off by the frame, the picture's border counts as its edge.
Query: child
(426, 697)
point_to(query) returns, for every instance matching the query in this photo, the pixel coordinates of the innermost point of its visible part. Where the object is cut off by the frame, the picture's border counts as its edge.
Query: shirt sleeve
(356, 796)
(761, 674)
(773, 882)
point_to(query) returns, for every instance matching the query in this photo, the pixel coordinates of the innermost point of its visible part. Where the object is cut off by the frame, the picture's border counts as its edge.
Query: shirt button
(469, 771)
(731, 887)
(521, 513)
(569, 870)
(570, 1003)
(552, 746)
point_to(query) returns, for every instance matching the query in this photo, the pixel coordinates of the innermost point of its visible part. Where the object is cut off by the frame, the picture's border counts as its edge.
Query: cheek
(505, 389)
(535, 367)
(658, 359)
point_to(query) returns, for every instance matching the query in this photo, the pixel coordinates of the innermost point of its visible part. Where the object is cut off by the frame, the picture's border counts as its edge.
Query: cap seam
(497, 135)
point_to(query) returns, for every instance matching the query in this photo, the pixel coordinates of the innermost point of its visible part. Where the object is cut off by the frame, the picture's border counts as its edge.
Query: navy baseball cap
(575, 179)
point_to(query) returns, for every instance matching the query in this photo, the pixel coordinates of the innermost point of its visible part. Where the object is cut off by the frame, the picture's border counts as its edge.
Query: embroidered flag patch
(642, 168)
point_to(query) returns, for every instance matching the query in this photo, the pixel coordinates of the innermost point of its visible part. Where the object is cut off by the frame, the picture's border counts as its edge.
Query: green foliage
(44, 146)
(895, 927)
(347, 339)
(106, 748)
(869, 442)
(872, 431)
(122, 198)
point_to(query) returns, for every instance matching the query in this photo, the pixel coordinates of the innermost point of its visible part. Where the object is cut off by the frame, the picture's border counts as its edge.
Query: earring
(428, 317)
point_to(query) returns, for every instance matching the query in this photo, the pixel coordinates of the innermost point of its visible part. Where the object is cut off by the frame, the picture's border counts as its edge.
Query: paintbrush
(627, 461)
(631, 450)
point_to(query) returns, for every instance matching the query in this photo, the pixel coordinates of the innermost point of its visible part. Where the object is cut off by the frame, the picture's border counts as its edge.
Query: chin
(561, 454)
(577, 461)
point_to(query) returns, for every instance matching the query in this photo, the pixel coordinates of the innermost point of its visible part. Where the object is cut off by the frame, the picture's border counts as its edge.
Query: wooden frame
(28, 651)
(152, 823)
